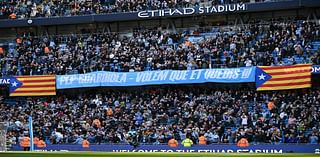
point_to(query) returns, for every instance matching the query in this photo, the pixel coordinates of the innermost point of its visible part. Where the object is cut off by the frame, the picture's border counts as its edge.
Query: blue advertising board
(215, 148)
(105, 79)
(316, 69)
(5, 81)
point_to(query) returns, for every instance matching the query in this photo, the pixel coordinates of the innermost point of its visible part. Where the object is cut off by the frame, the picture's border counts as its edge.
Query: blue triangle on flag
(14, 84)
(261, 77)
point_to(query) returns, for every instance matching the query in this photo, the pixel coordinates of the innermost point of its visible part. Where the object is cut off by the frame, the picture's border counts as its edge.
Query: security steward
(25, 143)
(85, 144)
(173, 143)
(202, 140)
(35, 140)
(187, 142)
(243, 143)
(41, 144)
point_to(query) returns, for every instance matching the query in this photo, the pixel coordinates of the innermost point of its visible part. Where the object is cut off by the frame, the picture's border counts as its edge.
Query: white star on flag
(14, 84)
(262, 77)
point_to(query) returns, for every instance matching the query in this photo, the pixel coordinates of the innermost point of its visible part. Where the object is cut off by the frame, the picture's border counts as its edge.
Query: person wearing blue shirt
(79, 140)
(313, 139)
(133, 139)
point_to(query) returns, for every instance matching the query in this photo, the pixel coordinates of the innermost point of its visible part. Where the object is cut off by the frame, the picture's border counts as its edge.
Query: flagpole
(31, 134)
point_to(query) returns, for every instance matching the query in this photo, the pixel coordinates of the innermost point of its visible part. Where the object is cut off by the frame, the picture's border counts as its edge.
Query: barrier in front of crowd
(213, 148)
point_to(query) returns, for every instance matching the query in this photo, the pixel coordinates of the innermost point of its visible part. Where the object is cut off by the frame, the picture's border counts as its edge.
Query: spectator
(314, 139)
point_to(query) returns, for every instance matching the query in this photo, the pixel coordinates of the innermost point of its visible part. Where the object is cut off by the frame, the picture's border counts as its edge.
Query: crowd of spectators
(278, 43)
(56, 8)
(222, 116)
(158, 114)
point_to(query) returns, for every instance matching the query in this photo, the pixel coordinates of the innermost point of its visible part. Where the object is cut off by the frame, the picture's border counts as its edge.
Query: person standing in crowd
(314, 139)
(9, 143)
(99, 136)
(133, 139)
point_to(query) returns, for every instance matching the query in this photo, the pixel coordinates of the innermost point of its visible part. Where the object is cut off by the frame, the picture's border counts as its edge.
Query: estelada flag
(283, 77)
(43, 85)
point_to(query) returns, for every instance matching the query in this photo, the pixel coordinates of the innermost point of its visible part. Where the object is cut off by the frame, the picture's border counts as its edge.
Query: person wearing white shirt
(244, 120)
(248, 62)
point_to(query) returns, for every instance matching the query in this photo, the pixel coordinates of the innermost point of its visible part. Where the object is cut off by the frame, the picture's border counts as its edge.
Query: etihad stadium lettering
(191, 11)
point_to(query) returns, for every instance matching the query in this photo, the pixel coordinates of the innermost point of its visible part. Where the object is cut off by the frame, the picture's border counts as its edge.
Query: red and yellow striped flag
(283, 77)
(43, 85)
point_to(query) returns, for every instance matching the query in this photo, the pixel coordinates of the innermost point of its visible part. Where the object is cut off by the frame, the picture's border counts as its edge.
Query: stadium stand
(279, 43)
(40, 56)
(222, 116)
